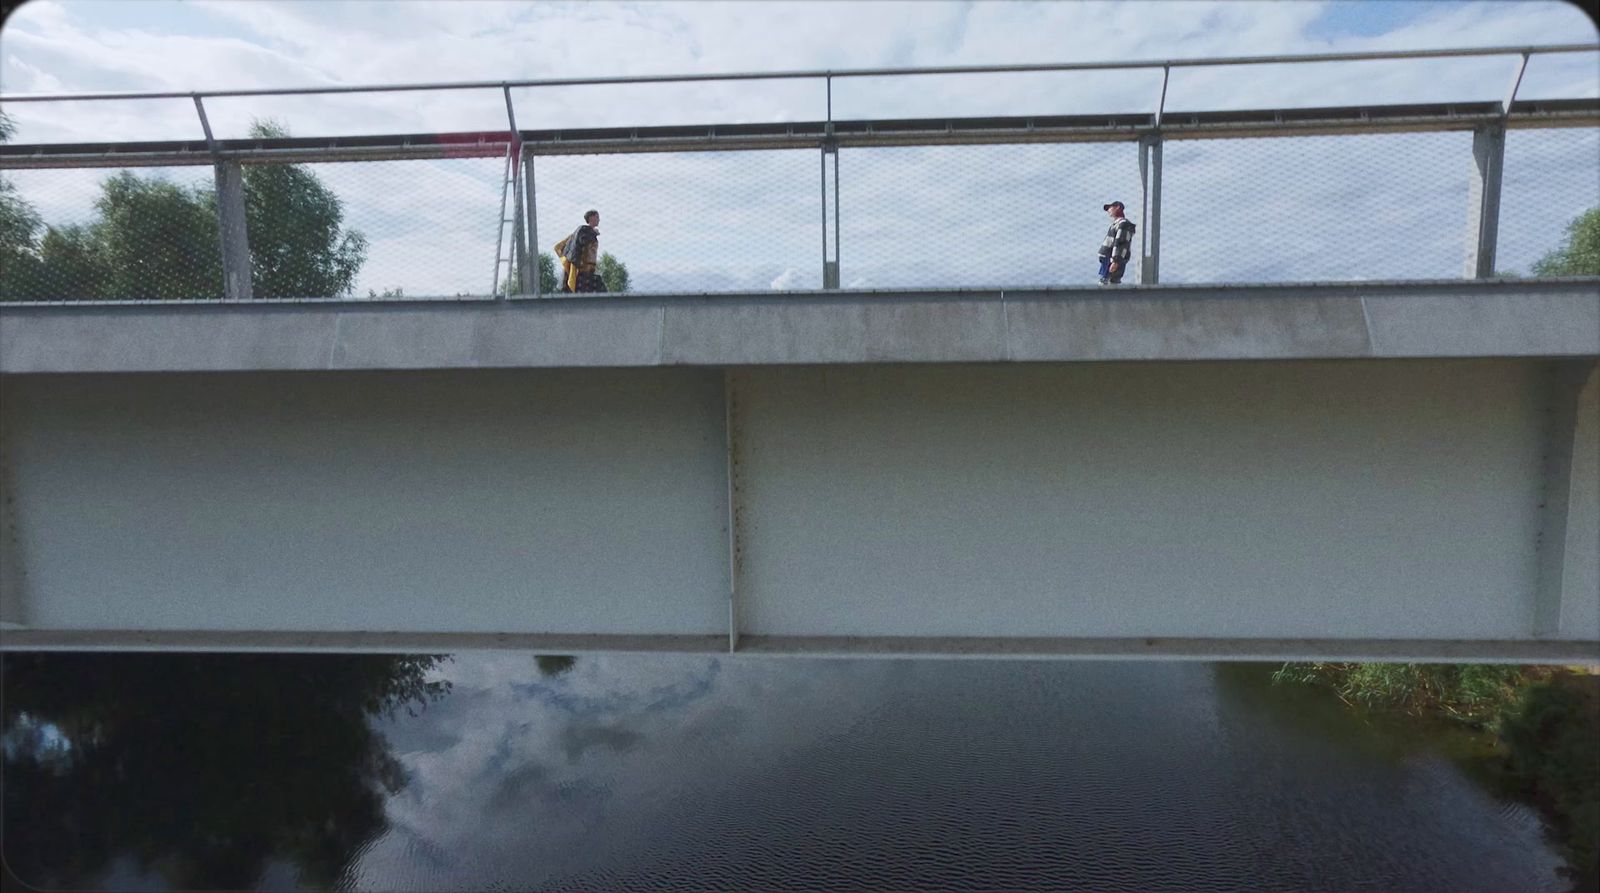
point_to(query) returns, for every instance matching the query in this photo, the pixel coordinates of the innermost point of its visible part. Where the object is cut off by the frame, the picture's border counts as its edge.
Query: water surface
(632, 772)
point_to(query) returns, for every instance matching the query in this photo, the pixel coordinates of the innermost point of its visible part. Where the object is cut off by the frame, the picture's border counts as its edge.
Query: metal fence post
(1483, 203)
(1150, 186)
(1150, 174)
(519, 243)
(830, 268)
(836, 203)
(533, 222)
(233, 234)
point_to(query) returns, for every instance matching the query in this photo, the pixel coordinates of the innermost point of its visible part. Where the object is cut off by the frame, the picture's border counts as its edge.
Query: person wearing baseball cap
(1117, 246)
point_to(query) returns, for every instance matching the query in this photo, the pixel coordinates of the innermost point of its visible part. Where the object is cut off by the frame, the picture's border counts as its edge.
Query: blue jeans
(1105, 270)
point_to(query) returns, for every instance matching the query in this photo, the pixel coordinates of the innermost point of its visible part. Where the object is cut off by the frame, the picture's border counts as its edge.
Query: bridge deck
(1450, 318)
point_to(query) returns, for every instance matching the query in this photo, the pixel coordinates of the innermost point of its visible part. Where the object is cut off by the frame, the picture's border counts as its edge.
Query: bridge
(1384, 469)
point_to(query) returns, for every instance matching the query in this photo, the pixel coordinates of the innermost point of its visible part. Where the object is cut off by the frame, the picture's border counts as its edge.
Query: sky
(1335, 207)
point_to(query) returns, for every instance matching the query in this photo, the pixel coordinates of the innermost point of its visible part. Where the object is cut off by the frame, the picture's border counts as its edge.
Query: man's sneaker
(1104, 281)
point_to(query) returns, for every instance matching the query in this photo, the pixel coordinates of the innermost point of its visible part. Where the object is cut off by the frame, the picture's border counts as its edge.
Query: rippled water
(627, 772)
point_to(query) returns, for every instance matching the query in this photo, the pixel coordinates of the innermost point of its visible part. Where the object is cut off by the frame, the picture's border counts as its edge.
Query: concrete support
(1483, 203)
(235, 234)
(1150, 179)
(1567, 596)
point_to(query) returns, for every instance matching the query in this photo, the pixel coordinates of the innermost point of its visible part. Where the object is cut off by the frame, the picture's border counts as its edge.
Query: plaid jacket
(580, 249)
(1118, 244)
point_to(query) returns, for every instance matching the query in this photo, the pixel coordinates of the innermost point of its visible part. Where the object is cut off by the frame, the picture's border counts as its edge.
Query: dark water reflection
(689, 773)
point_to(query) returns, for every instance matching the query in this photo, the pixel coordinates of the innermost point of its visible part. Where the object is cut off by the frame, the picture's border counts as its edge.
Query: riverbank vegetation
(1545, 721)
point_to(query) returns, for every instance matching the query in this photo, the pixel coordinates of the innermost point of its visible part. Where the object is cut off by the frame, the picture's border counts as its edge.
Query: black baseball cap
(1107, 205)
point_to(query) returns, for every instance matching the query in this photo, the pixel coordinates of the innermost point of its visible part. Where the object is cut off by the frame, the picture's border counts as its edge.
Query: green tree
(547, 277)
(1580, 256)
(547, 273)
(1552, 734)
(613, 272)
(299, 247)
(75, 263)
(153, 239)
(159, 240)
(19, 228)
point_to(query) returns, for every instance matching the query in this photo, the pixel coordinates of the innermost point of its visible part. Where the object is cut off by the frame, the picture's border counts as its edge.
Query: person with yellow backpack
(579, 254)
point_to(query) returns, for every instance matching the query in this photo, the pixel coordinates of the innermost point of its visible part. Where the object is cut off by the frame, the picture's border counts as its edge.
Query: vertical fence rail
(830, 268)
(506, 185)
(532, 209)
(519, 253)
(1150, 180)
(1483, 202)
(233, 234)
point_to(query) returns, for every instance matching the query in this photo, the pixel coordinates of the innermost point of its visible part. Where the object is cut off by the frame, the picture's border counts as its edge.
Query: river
(503, 771)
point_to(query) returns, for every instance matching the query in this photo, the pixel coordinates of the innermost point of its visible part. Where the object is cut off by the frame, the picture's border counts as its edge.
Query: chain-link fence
(915, 198)
(375, 228)
(707, 221)
(102, 234)
(1273, 209)
(1552, 176)
(963, 216)
(345, 229)
(1285, 209)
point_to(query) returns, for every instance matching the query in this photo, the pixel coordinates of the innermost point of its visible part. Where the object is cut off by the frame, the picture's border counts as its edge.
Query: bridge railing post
(1150, 175)
(1483, 202)
(830, 267)
(233, 234)
(532, 284)
(1150, 189)
(830, 147)
(1483, 205)
(519, 240)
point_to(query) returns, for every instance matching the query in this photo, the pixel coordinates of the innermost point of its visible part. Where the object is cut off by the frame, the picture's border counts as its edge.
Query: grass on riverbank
(1472, 693)
(1546, 721)
(1552, 739)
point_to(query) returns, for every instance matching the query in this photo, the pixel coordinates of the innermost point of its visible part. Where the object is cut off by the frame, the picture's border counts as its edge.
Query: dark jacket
(1118, 243)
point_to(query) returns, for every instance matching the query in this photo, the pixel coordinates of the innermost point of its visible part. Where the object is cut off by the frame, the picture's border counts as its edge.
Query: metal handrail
(1250, 123)
(821, 73)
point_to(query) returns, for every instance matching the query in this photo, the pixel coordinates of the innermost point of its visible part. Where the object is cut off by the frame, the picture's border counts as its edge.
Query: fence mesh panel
(951, 216)
(109, 234)
(337, 229)
(708, 221)
(1550, 178)
(1278, 209)
(403, 228)
(1288, 209)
